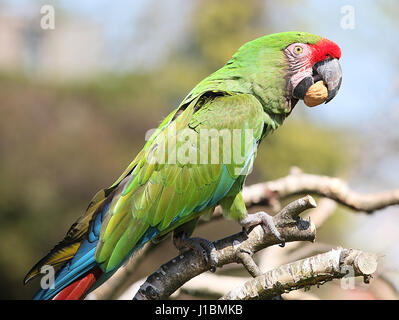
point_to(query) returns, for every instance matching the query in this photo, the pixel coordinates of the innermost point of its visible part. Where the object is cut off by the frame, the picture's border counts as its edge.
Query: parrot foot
(267, 223)
(201, 246)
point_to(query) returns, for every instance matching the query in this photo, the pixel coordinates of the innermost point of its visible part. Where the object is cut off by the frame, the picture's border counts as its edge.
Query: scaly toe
(267, 223)
(203, 247)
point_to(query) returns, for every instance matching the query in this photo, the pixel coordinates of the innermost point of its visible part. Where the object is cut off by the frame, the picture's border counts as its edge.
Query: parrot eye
(298, 50)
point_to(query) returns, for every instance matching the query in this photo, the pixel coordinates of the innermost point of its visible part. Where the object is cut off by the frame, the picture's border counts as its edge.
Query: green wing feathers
(166, 189)
(163, 189)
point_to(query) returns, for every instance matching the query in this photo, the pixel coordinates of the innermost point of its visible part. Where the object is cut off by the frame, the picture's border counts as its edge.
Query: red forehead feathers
(324, 49)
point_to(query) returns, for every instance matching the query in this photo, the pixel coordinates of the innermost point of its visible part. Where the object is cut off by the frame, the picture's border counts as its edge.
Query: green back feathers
(258, 68)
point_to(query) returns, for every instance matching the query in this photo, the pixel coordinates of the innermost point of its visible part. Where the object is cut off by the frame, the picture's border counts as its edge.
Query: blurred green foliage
(60, 143)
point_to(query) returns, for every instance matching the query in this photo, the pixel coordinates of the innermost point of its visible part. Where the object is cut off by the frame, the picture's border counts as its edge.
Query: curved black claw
(267, 223)
(203, 247)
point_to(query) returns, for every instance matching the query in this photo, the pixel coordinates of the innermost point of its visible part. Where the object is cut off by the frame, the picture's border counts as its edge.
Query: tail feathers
(59, 255)
(78, 289)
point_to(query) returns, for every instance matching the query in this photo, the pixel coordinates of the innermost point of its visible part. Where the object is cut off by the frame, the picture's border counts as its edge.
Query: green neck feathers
(259, 68)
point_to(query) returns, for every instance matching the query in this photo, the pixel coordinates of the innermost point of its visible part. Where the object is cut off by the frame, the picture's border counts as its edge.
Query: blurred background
(76, 102)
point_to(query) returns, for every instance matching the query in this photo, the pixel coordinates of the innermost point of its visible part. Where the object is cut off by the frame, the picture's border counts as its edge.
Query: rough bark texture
(173, 274)
(240, 247)
(315, 270)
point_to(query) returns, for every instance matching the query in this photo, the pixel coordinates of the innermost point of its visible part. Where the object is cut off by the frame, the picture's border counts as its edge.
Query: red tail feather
(78, 289)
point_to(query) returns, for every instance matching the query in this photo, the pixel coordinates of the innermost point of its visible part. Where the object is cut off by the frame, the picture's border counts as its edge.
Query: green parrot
(198, 158)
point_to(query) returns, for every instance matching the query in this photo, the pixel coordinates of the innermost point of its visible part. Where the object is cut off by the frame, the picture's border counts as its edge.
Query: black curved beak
(329, 71)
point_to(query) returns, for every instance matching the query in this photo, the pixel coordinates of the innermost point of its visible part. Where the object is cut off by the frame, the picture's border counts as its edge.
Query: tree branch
(315, 270)
(209, 284)
(333, 188)
(173, 274)
(270, 193)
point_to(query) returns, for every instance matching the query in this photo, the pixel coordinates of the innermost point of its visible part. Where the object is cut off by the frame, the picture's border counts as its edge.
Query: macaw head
(282, 67)
(309, 62)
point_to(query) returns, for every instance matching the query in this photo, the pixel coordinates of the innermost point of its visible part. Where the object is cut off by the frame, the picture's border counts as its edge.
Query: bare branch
(273, 257)
(333, 188)
(315, 270)
(173, 274)
(248, 262)
(271, 193)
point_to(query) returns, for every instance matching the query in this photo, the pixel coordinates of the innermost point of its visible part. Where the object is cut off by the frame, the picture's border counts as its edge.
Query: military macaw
(255, 91)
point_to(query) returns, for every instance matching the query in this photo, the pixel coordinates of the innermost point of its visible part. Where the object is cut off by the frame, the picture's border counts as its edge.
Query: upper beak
(330, 72)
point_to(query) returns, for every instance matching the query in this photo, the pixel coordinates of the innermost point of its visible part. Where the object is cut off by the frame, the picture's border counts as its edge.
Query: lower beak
(329, 71)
